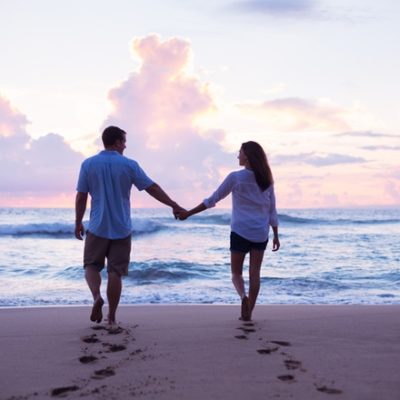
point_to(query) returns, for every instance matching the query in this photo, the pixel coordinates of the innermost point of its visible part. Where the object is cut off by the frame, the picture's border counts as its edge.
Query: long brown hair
(259, 164)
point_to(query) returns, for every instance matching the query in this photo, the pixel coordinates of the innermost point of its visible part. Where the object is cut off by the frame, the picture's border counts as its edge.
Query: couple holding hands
(108, 178)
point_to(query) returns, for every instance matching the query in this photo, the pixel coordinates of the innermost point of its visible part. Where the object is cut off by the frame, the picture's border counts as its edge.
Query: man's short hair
(111, 135)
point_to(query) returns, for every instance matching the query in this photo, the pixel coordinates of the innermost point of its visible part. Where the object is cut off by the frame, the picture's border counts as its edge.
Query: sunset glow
(316, 85)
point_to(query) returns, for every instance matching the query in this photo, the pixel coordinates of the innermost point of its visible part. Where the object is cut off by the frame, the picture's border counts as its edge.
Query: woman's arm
(275, 241)
(186, 214)
(223, 190)
(273, 220)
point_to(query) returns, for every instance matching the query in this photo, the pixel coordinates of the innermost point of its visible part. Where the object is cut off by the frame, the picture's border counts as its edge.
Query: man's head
(114, 138)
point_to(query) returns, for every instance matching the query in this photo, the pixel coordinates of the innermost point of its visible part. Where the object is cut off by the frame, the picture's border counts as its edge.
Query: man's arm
(158, 193)
(80, 208)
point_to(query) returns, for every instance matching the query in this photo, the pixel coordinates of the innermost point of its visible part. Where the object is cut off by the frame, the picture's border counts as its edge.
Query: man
(108, 178)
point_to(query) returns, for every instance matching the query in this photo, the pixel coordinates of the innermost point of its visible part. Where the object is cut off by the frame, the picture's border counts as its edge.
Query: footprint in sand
(327, 390)
(103, 373)
(292, 364)
(281, 343)
(286, 378)
(267, 350)
(136, 352)
(115, 331)
(115, 347)
(63, 390)
(246, 330)
(90, 339)
(87, 359)
(242, 337)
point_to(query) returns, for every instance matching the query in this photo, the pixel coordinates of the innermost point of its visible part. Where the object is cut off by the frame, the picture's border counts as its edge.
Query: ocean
(327, 256)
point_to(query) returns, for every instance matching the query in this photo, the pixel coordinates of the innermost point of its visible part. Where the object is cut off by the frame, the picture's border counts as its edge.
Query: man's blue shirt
(108, 178)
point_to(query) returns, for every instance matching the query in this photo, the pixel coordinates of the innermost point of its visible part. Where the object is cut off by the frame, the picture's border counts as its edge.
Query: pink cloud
(33, 167)
(158, 107)
(297, 114)
(12, 122)
(392, 188)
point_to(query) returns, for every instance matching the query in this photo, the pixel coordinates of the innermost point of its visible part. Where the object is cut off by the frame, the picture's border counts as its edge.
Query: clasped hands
(180, 213)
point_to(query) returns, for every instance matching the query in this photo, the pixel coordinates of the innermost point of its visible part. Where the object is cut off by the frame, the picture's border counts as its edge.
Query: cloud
(367, 134)
(275, 7)
(382, 147)
(392, 188)
(305, 9)
(159, 106)
(43, 166)
(317, 160)
(296, 114)
(12, 122)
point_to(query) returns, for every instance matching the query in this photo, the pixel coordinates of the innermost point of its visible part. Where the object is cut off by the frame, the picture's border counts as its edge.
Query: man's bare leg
(256, 258)
(114, 288)
(93, 279)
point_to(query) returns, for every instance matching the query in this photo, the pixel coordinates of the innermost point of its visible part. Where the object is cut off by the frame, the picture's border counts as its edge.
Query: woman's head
(253, 155)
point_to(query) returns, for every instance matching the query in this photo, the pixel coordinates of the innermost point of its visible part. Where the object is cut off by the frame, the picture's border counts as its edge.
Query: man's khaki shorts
(116, 251)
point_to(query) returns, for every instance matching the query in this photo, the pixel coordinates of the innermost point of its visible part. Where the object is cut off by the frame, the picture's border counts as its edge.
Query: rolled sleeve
(273, 215)
(223, 190)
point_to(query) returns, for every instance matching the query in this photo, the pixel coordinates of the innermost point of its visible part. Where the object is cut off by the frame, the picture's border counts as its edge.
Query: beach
(202, 352)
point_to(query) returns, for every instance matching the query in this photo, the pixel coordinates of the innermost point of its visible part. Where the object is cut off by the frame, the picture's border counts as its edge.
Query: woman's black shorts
(242, 245)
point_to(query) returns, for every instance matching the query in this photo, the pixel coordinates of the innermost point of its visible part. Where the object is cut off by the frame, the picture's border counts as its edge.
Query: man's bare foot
(245, 311)
(97, 315)
(111, 320)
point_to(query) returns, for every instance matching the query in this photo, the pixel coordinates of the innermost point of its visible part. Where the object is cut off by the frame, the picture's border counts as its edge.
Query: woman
(253, 211)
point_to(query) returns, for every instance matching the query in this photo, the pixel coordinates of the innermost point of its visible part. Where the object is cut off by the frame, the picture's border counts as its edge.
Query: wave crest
(60, 230)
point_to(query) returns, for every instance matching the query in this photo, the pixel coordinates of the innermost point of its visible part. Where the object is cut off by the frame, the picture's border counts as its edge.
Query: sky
(315, 82)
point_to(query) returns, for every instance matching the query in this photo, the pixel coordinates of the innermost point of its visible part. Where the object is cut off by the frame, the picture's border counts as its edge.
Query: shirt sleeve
(139, 177)
(224, 189)
(273, 215)
(83, 183)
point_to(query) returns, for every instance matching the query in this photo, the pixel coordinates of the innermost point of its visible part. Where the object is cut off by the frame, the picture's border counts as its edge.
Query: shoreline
(204, 305)
(202, 351)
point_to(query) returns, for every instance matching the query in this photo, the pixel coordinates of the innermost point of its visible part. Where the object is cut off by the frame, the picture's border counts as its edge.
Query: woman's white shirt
(253, 210)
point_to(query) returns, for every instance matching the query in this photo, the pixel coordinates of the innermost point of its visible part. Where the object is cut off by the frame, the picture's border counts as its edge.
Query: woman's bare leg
(256, 258)
(237, 260)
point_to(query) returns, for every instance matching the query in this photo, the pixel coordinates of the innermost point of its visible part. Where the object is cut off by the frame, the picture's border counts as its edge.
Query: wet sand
(202, 352)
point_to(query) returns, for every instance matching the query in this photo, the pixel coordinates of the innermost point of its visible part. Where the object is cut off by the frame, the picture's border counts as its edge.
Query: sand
(202, 352)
